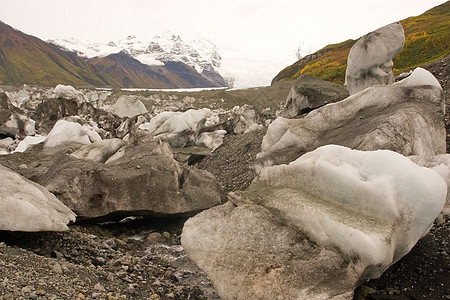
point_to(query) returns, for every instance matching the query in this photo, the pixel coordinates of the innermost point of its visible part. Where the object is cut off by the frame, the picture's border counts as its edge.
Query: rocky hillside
(427, 39)
(25, 59)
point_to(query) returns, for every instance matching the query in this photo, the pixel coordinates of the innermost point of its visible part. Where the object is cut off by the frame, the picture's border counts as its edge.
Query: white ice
(27, 206)
(372, 205)
(66, 132)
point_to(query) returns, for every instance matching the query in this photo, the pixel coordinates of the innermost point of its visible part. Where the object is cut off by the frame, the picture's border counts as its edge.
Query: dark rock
(309, 93)
(161, 186)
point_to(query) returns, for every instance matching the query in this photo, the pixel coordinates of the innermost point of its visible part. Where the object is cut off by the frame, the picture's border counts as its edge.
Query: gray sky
(262, 29)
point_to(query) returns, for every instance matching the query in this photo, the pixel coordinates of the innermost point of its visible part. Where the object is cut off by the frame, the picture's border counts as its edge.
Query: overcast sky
(263, 29)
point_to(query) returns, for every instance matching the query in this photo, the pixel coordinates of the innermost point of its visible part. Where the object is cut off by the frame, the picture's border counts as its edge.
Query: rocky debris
(309, 93)
(324, 239)
(14, 123)
(405, 117)
(27, 206)
(49, 111)
(143, 180)
(423, 273)
(101, 262)
(370, 59)
(231, 163)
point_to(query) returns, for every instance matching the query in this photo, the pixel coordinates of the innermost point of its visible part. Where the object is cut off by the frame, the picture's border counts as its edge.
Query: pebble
(153, 237)
(27, 289)
(57, 268)
(99, 287)
(166, 235)
(40, 292)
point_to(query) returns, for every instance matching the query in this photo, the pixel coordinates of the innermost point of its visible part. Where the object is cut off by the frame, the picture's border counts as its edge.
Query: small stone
(110, 276)
(155, 296)
(56, 254)
(392, 291)
(96, 295)
(23, 166)
(81, 296)
(99, 287)
(109, 243)
(40, 292)
(57, 268)
(98, 261)
(166, 235)
(33, 295)
(153, 237)
(27, 289)
(170, 295)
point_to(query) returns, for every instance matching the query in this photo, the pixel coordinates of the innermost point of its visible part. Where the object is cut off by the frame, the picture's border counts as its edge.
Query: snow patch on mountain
(201, 55)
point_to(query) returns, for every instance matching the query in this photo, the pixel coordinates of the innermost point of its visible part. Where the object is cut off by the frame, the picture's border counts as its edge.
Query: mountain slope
(129, 72)
(27, 59)
(168, 51)
(427, 39)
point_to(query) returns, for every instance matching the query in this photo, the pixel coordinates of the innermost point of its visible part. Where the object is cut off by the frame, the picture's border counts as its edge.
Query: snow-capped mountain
(226, 67)
(201, 55)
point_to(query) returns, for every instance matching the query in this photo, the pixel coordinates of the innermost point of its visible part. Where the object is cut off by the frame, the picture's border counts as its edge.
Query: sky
(270, 30)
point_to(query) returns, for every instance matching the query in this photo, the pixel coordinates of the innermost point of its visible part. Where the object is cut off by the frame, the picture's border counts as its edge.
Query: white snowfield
(27, 206)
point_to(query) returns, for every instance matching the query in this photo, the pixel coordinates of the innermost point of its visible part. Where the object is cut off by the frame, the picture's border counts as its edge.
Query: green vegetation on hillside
(427, 39)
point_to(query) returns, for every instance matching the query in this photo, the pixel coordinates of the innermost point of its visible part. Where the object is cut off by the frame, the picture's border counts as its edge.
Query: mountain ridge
(26, 59)
(202, 56)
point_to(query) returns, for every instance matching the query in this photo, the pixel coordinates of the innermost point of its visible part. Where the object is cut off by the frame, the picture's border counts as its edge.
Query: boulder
(127, 106)
(179, 129)
(211, 140)
(405, 117)
(143, 180)
(99, 151)
(67, 92)
(13, 121)
(27, 206)
(316, 228)
(28, 142)
(48, 112)
(440, 164)
(70, 132)
(309, 93)
(249, 119)
(370, 59)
